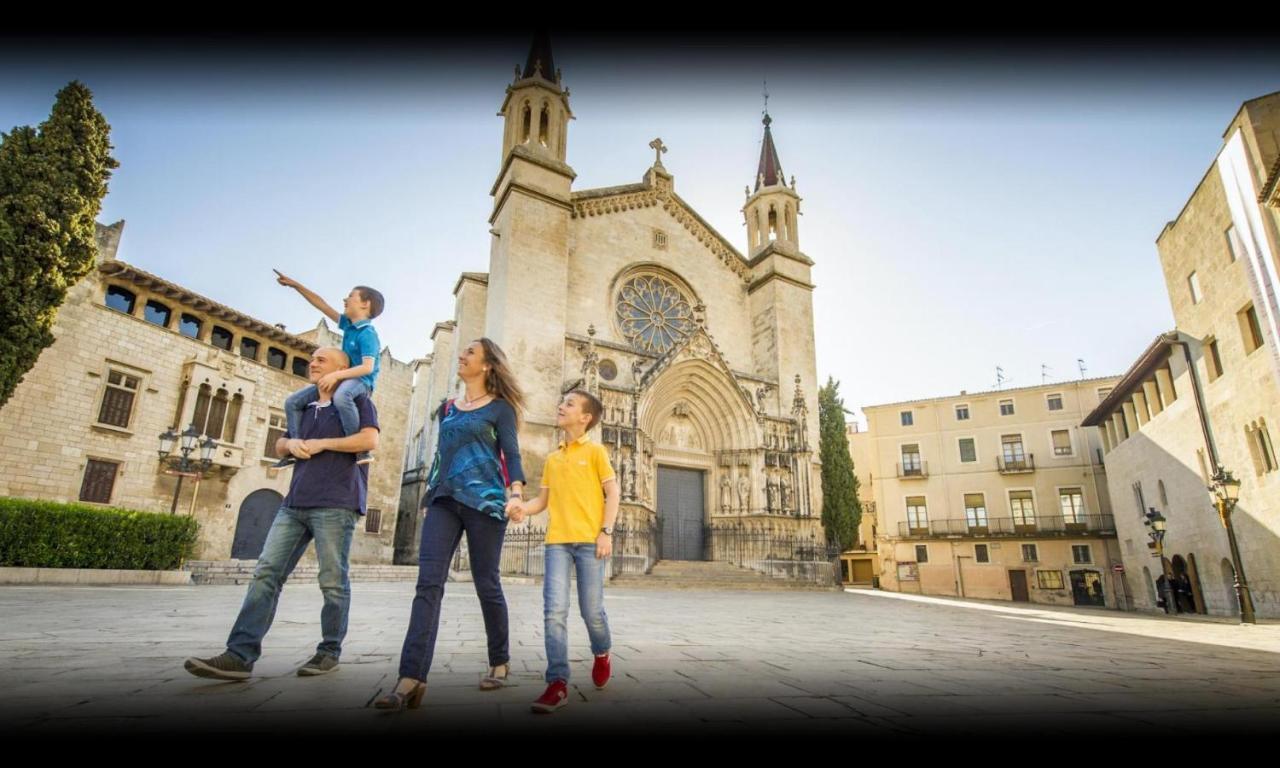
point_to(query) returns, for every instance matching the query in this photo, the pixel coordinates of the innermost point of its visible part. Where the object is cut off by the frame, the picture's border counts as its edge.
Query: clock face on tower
(653, 313)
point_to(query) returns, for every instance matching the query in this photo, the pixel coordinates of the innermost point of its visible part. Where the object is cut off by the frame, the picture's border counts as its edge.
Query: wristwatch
(607, 531)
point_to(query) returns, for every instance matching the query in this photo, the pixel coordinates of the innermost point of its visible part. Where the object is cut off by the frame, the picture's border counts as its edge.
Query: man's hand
(286, 281)
(604, 545)
(328, 383)
(314, 446)
(298, 448)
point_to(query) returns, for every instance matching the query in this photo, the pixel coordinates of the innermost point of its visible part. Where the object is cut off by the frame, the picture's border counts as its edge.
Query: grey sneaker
(318, 665)
(224, 666)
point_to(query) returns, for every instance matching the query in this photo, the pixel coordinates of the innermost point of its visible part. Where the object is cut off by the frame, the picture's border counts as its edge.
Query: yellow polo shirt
(574, 476)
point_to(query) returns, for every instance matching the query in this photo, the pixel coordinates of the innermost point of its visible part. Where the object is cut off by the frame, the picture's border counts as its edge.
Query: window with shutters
(1071, 501)
(373, 521)
(1049, 579)
(1022, 508)
(917, 514)
(116, 409)
(275, 430)
(968, 450)
(975, 510)
(99, 480)
(981, 554)
(1061, 442)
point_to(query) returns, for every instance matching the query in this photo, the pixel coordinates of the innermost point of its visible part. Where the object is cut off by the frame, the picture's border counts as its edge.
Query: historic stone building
(997, 495)
(702, 353)
(136, 355)
(1206, 396)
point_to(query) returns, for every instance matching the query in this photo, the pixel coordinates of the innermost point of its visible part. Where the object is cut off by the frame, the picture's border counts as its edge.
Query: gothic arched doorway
(256, 513)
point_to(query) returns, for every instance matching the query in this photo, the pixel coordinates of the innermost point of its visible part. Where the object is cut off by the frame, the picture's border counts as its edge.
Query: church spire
(540, 62)
(770, 171)
(771, 209)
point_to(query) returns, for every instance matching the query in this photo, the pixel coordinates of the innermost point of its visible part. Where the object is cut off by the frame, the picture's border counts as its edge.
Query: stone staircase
(691, 574)
(241, 572)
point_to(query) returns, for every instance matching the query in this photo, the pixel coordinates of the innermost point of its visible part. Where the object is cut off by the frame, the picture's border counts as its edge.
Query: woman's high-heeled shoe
(397, 700)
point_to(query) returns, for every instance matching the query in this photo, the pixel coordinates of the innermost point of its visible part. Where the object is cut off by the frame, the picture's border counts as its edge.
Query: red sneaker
(601, 671)
(555, 697)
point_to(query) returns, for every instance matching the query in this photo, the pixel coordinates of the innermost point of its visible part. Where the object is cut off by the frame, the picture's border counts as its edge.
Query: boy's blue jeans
(590, 570)
(344, 399)
(291, 532)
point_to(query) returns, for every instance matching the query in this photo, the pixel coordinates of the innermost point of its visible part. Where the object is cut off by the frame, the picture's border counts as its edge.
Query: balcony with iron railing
(913, 471)
(1016, 466)
(1054, 526)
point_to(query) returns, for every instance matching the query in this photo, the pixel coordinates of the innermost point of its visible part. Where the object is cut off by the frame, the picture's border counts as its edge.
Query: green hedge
(46, 534)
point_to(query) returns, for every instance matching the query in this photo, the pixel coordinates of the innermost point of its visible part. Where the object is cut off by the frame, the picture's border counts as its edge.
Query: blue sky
(964, 209)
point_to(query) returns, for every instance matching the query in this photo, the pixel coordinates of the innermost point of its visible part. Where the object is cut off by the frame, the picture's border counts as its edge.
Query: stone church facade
(702, 354)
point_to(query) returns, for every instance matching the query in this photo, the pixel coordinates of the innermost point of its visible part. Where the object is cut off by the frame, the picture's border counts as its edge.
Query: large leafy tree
(52, 182)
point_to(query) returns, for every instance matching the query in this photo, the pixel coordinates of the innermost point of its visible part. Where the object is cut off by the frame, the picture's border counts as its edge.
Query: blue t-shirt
(470, 454)
(360, 340)
(330, 478)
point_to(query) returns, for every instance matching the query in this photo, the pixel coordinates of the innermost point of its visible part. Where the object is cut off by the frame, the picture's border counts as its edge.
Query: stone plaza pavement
(868, 665)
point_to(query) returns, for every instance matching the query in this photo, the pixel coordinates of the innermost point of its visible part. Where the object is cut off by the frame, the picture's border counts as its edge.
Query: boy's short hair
(376, 302)
(592, 405)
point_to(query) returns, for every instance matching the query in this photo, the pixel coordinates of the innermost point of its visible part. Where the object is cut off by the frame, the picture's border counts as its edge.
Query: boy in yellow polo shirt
(579, 488)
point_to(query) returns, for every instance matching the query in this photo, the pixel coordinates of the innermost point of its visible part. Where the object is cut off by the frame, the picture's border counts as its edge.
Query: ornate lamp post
(1156, 523)
(183, 465)
(1226, 489)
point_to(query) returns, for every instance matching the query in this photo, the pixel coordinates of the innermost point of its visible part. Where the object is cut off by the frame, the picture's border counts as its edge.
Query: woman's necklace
(468, 403)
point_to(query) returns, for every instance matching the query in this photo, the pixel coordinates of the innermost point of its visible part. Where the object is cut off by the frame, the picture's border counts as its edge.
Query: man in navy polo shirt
(326, 498)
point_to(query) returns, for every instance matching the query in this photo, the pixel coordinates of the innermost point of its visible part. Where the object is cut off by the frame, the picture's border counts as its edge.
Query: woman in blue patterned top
(477, 459)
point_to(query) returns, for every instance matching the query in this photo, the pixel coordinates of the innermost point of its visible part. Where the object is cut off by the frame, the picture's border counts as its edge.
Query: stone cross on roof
(658, 148)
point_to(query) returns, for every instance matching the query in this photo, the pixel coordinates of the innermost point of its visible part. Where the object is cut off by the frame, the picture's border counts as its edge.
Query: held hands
(515, 510)
(298, 448)
(604, 546)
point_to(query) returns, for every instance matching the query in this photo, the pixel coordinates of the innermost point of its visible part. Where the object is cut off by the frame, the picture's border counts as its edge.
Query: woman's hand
(515, 510)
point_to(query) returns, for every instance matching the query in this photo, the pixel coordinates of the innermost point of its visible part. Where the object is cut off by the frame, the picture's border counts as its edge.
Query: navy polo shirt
(330, 478)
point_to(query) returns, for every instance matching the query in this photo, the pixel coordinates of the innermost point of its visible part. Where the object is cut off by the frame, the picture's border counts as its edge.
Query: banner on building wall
(1246, 218)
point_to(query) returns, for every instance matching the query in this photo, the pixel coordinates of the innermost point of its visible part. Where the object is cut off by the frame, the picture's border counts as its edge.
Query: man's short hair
(376, 302)
(592, 405)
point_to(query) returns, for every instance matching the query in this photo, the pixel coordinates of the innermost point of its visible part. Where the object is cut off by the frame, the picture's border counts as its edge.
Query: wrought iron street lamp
(1226, 489)
(183, 465)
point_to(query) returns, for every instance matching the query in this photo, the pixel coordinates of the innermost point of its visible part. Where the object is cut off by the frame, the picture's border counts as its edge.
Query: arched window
(544, 126)
(120, 299)
(155, 312)
(233, 418)
(526, 124)
(217, 414)
(221, 338)
(189, 325)
(773, 223)
(276, 358)
(203, 396)
(300, 365)
(248, 348)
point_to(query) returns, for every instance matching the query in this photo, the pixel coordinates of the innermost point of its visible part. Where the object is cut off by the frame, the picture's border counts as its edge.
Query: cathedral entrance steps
(696, 574)
(241, 571)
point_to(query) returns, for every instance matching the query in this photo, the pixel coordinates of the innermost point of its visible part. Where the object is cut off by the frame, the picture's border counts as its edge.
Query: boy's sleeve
(369, 345)
(604, 470)
(343, 322)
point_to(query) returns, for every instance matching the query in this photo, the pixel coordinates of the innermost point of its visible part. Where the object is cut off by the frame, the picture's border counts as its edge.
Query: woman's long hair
(500, 381)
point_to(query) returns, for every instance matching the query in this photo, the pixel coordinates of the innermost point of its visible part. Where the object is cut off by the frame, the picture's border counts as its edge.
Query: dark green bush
(46, 534)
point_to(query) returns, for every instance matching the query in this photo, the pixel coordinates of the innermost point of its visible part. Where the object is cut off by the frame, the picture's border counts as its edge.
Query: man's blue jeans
(291, 532)
(344, 399)
(560, 558)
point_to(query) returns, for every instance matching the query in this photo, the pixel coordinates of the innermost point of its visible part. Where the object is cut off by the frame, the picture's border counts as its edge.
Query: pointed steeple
(770, 171)
(540, 63)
